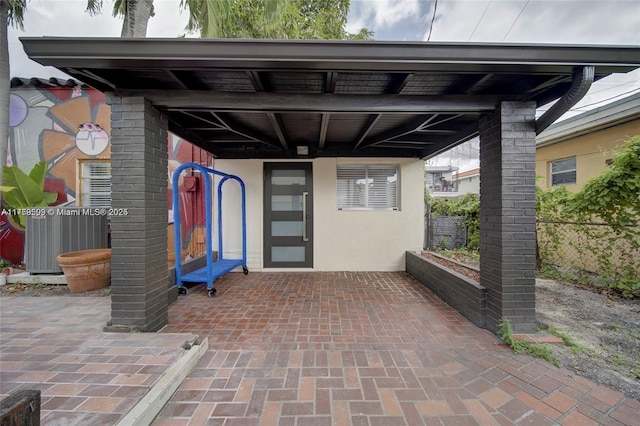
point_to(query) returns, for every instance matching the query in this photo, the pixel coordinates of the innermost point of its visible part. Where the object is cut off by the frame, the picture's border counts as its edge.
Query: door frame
(268, 167)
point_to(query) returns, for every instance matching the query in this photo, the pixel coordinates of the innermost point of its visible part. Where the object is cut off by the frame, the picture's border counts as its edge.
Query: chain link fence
(444, 232)
(592, 247)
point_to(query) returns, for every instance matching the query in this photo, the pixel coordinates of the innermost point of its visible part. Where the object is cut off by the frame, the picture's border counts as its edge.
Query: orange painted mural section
(64, 125)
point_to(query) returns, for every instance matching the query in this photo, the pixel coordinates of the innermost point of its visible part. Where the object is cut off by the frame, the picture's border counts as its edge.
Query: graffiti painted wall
(65, 125)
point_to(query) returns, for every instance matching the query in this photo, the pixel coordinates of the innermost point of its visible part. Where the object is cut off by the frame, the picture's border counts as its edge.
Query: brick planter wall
(465, 295)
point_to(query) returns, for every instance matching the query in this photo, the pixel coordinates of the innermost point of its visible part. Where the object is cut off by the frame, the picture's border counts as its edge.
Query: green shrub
(468, 206)
(611, 199)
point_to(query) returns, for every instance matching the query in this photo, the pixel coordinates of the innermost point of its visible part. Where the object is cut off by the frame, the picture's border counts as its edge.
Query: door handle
(304, 216)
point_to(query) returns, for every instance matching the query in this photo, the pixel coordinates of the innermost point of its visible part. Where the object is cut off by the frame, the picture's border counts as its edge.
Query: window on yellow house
(95, 184)
(563, 172)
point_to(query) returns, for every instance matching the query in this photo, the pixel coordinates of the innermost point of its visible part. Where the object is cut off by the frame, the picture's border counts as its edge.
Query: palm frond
(17, 9)
(94, 7)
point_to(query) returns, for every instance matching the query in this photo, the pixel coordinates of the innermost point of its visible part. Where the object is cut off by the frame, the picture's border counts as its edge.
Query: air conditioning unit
(48, 236)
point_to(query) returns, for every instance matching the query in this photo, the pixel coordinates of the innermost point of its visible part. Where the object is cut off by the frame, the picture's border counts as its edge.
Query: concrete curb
(146, 410)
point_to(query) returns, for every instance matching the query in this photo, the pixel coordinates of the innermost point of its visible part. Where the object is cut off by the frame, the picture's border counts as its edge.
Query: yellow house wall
(591, 151)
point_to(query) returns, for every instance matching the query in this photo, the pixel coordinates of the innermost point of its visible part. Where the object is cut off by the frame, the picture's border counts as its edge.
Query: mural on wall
(191, 199)
(81, 128)
(62, 124)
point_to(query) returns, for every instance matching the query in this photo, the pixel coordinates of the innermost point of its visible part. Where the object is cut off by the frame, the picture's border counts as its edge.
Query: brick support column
(508, 214)
(139, 238)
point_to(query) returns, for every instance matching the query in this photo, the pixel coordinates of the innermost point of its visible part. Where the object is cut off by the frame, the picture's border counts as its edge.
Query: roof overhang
(262, 98)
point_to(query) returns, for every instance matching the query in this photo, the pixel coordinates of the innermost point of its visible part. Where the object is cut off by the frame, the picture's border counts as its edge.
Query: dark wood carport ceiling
(263, 98)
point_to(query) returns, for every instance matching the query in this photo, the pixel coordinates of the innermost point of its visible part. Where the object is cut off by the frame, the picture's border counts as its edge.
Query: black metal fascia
(326, 55)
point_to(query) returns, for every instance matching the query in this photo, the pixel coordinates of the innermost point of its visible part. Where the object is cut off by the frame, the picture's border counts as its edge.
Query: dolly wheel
(182, 291)
(211, 292)
(245, 270)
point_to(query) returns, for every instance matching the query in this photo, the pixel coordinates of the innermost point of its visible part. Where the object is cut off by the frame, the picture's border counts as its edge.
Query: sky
(612, 22)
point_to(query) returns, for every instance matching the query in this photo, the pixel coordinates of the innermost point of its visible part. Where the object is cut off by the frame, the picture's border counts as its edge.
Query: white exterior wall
(348, 240)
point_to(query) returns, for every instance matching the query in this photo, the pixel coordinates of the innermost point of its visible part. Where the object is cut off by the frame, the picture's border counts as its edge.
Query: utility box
(68, 229)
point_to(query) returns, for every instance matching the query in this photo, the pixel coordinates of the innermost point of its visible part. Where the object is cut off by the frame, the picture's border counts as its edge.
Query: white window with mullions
(367, 187)
(563, 172)
(95, 184)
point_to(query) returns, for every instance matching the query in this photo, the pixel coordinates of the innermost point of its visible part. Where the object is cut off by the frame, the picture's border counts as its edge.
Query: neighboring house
(68, 126)
(440, 181)
(575, 150)
(468, 181)
(567, 153)
(449, 182)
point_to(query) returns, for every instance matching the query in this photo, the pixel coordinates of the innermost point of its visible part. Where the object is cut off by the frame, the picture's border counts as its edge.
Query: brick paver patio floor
(87, 377)
(356, 348)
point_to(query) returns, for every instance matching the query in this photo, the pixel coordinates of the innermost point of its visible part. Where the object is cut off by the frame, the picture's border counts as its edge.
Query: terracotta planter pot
(86, 270)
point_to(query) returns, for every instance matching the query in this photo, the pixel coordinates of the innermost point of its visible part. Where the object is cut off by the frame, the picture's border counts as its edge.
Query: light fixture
(302, 150)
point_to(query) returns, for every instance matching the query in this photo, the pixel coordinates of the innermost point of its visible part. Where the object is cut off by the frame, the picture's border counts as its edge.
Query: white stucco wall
(356, 240)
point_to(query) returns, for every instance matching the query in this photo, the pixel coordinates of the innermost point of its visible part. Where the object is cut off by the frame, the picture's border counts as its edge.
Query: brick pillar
(139, 238)
(508, 214)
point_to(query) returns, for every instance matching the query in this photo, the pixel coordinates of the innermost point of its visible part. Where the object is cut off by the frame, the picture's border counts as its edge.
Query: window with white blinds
(368, 186)
(95, 184)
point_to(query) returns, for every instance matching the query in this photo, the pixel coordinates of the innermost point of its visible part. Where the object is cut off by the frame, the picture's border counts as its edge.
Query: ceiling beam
(225, 136)
(479, 82)
(330, 82)
(404, 129)
(305, 102)
(408, 141)
(417, 137)
(466, 133)
(436, 131)
(432, 123)
(186, 134)
(278, 127)
(259, 81)
(324, 126)
(203, 119)
(240, 129)
(398, 83)
(207, 129)
(371, 122)
(403, 145)
(177, 79)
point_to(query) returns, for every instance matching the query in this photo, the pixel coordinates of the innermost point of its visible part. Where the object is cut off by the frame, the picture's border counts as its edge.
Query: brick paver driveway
(355, 348)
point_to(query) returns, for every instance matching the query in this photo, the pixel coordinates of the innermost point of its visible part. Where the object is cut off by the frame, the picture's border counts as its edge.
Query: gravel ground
(606, 329)
(42, 290)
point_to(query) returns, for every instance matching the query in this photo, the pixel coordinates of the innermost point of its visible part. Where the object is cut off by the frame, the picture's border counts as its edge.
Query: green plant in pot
(25, 191)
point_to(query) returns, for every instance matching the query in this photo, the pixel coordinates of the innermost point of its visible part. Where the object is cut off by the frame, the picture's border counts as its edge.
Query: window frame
(393, 206)
(80, 193)
(574, 171)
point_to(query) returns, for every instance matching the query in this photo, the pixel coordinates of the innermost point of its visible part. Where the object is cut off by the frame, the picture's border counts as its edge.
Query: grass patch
(568, 340)
(617, 327)
(620, 360)
(537, 350)
(626, 286)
